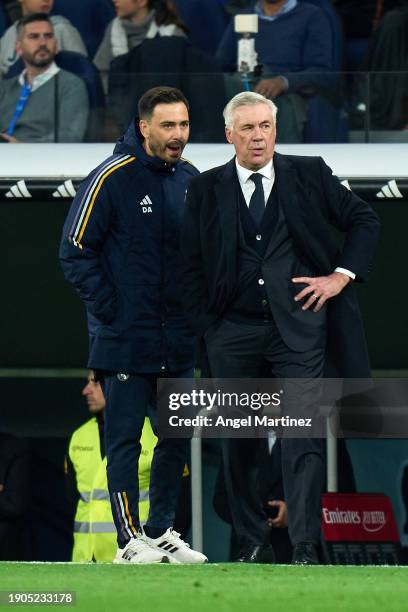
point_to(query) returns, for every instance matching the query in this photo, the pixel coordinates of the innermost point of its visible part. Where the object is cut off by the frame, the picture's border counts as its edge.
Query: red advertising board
(358, 517)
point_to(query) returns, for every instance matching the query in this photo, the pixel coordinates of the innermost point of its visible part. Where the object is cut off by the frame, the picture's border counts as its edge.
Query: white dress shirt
(268, 179)
(40, 79)
(248, 186)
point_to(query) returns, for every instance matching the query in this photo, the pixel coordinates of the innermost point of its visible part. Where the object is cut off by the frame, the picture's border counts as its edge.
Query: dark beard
(43, 63)
(157, 149)
(40, 63)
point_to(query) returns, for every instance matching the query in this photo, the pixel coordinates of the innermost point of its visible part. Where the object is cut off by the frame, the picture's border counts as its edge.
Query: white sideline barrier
(77, 160)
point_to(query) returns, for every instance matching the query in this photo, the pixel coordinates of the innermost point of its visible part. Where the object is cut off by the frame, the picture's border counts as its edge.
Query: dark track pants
(128, 402)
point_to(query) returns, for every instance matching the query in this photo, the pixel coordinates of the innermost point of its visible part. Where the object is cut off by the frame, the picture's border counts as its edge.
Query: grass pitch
(213, 588)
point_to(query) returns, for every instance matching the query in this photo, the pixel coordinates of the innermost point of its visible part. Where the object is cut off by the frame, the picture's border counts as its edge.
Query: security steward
(85, 468)
(120, 250)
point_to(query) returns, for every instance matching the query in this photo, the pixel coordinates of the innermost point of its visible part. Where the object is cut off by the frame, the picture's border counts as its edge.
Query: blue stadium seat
(355, 51)
(90, 17)
(206, 21)
(84, 68)
(4, 22)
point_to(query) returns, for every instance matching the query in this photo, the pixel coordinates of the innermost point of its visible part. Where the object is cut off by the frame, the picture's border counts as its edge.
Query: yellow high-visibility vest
(94, 529)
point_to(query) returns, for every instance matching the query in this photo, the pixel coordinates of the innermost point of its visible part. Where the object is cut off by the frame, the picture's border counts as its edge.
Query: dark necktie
(257, 202)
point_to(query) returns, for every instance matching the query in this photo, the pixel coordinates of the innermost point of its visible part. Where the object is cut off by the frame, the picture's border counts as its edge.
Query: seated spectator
(136, 20)
(43, 103)
(68, 38)
(295, 46)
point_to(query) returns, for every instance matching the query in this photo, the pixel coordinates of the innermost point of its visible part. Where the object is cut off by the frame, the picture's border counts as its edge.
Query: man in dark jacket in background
(120, 251)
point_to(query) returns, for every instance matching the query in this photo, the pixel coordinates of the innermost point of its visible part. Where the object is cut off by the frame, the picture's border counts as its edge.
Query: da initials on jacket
(146, 205)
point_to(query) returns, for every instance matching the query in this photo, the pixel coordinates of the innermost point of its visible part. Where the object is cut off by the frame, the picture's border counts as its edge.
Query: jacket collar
(41, 79)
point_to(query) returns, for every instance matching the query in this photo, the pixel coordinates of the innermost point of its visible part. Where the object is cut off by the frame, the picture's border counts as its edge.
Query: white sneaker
(138, 550)
(175, 548)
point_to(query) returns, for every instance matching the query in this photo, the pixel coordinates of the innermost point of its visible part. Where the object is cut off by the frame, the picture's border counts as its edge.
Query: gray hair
(246, 98)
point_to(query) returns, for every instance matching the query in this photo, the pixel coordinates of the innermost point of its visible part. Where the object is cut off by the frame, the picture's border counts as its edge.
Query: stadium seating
(3, 21)
(206, 21)
(325, 123)
(335, 27)
(355, 50)
(90, 17)
(81, 66)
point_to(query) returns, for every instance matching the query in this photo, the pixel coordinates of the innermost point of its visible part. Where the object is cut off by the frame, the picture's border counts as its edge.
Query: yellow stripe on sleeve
(95, 193)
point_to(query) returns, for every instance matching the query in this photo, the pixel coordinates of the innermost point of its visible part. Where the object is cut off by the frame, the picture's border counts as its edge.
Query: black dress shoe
(262, 553)
(305, 553)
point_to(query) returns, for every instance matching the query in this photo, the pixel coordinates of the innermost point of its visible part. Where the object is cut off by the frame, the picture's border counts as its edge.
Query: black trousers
(238, 350)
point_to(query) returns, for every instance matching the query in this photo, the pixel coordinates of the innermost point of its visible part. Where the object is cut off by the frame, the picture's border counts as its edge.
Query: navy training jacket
(120, 250)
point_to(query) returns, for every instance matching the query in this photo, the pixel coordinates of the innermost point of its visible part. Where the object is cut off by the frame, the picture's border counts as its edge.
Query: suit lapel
(227, 194)
(285, 183)
(293, 198)
(286, 186)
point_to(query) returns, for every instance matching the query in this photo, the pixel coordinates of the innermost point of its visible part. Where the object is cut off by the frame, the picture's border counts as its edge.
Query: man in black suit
(270, 291)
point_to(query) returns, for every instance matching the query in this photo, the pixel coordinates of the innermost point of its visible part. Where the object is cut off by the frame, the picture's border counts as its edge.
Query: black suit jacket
(313, 202)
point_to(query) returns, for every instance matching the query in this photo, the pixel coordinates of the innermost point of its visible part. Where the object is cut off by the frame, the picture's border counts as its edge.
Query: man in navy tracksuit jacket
(120, 249)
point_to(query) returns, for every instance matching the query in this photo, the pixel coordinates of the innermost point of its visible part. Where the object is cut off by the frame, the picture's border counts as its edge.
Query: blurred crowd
(74, 71)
